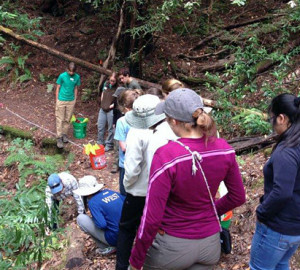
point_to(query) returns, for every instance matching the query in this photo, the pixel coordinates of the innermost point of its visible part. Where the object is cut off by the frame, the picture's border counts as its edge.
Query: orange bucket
(98, 161)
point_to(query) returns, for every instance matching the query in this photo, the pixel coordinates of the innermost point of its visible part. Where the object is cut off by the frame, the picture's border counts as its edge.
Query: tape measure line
(24, 119)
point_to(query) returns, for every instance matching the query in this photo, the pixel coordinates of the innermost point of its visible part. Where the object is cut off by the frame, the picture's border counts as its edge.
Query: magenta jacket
(178, 202)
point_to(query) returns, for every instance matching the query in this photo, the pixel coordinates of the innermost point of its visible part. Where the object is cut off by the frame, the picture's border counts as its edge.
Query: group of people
(171, 163)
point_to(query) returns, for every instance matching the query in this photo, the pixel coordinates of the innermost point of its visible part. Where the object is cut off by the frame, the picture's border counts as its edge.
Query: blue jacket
(280, 204)
(106, 207)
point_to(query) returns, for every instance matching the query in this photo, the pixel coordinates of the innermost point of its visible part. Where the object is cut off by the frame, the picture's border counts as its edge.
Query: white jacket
(135, 164)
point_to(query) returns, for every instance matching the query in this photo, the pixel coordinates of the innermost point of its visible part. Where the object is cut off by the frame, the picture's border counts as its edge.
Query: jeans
(130, 220)
(271, 250)
(103, 118)
(121, 178)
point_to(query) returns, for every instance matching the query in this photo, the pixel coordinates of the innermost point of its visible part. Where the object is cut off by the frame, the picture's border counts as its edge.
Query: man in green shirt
(66, 94)
(127, 80)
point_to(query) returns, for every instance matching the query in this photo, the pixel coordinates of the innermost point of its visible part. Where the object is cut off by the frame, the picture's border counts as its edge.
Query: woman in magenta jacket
(179, 228)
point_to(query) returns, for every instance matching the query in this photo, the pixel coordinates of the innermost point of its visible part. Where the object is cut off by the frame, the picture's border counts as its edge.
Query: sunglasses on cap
(56, 185)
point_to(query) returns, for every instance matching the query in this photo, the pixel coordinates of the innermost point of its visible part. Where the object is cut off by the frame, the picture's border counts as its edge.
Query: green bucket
(79, 129)
(226, 224)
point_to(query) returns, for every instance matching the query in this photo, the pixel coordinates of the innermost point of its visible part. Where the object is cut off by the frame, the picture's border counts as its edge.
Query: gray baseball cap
(180, 104)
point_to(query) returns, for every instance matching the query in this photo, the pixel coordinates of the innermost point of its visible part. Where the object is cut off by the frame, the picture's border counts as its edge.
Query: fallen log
(254, 143)
(268, 63)
(203, 56)
(27, 135)
(206, 40)
(67, 57)
(233, 26)
(219, 65)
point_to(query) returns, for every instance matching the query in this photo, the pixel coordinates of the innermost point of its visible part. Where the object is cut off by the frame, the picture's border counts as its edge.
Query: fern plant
(24, 220)
(15, 64)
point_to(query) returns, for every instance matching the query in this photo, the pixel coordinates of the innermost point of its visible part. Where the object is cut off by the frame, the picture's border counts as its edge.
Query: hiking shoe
(65, 138)
(60, 143)
(106, 251)
(108, 148)
(115, 168)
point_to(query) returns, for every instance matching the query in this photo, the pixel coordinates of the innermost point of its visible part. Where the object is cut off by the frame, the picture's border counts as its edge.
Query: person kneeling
(105, 207)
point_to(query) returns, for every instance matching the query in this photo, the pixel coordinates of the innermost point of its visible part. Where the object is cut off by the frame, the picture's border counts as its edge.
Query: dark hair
(72, 67)
(288, 105)
(124, 71)
(155, 91)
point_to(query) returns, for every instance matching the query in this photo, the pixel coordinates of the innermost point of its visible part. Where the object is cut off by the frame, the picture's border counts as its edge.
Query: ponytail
(205, 122)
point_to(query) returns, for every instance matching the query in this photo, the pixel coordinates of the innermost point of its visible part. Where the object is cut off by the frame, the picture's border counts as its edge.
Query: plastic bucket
(79, 129)
(98, 161)
(226, 219)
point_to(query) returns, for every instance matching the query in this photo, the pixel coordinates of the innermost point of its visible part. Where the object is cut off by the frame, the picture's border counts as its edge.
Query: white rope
(21, 117)
(197, 158)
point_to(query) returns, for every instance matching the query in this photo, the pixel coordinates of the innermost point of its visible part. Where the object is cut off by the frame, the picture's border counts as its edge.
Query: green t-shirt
(133, 85)
(67, 85)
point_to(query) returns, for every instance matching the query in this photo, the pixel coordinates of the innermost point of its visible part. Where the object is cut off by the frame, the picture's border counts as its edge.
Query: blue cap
(55, 183)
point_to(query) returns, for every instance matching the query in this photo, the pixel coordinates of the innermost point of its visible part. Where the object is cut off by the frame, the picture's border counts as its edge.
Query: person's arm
(59, 82)
(78, 199)
(157, 196)
(285, 170)
(76, 87)
(49, 201)
(120, 135)
(236, 193)
(133, 158)
(76, 92)
(57, 92)
(122, 145)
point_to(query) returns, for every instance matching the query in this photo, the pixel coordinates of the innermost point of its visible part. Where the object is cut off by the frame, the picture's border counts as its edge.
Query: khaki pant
(169, 252)
(63, 113)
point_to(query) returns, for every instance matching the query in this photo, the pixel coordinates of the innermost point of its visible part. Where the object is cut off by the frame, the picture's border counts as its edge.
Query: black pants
(130, 220)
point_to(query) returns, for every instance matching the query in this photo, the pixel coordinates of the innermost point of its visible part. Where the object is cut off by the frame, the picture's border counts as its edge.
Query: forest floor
(33, 102)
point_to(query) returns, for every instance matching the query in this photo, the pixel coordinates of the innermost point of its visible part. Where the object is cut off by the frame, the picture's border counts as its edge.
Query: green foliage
(86, 94)
(24, 220)
(12, 18)
(21, 153)
(239, 2)
(15, 64)
(50, 87)
(252, 123)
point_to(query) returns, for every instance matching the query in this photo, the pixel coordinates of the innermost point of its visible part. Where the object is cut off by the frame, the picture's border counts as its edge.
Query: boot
(65, 138)
(60, 143)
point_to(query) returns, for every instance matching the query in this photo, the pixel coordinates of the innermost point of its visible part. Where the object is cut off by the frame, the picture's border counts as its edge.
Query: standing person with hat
(141, 119)
(61, 186)
(180, 226)
(105, 207)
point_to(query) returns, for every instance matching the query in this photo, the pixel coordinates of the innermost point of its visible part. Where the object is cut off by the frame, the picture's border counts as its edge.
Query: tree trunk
(113, 48)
